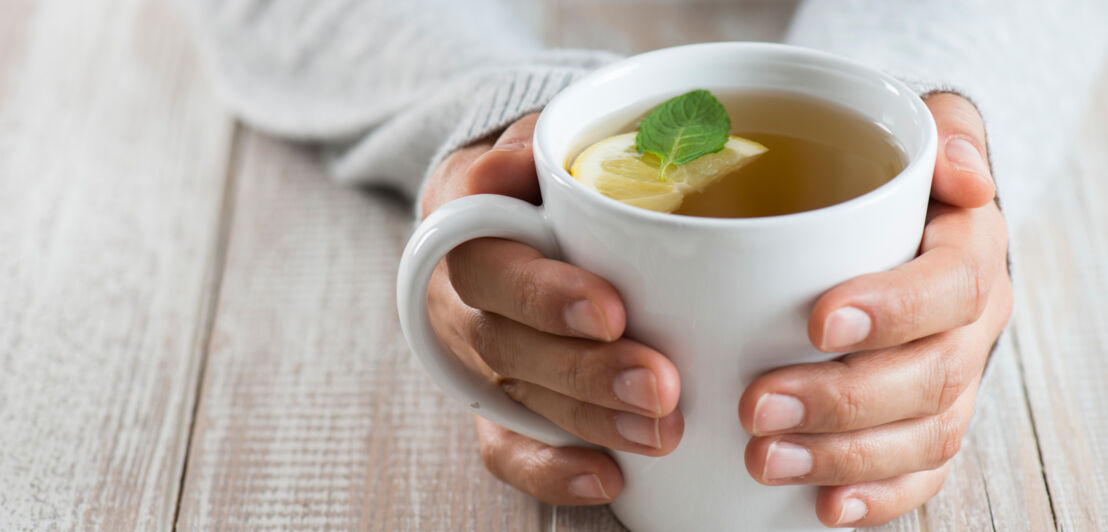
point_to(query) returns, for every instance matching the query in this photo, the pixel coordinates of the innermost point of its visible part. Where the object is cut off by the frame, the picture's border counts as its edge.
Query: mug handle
(461, 220)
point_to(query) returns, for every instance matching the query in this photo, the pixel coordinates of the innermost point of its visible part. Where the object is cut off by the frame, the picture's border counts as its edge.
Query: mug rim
(562, 177)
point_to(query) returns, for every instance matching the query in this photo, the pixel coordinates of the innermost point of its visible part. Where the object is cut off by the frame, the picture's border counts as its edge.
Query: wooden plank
(112, 157)
(313, 413)
(1061, 314)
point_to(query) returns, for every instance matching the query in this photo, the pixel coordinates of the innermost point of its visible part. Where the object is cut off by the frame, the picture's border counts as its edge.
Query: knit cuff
(500, 99)
(927, 89)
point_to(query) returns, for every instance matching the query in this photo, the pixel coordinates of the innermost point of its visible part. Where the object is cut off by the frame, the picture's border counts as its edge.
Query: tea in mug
(816, 154)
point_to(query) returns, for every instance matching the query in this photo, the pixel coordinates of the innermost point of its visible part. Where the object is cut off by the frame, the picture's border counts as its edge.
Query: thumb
(962, 177)
(509, 167)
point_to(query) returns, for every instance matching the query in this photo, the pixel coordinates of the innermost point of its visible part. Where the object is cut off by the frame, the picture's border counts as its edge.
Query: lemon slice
(613, 167)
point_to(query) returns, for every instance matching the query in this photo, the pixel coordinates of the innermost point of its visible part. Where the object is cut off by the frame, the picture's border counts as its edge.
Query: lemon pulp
(614, 168)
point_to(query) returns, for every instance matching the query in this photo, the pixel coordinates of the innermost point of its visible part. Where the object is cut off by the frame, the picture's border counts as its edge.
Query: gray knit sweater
(389, 87)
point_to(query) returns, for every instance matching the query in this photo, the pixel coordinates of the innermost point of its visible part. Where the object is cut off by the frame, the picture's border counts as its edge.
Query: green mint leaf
(684, 128)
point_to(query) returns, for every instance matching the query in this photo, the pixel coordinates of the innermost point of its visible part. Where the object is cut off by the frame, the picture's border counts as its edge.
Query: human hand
(552, 333)
(877, 427)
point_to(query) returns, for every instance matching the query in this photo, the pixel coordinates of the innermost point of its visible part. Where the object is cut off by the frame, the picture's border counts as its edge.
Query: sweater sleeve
(385, 87)
(1029, 66)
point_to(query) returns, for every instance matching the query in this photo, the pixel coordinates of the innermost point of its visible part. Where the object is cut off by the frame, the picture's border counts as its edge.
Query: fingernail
(586, 318)
(776, 412)
(845, 327)
(964, 155)
(587, 486)
(510, 146)
(638, 387)
(510, 388)
(853, 510)
(638, 429)
(786, 460)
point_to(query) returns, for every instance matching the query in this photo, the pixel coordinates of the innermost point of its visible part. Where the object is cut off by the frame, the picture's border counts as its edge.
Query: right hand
(551, 334)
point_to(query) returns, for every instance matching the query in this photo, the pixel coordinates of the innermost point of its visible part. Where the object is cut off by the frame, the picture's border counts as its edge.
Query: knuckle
(575, 376)
(532, 292)
(854, 462)
(461, 276)
(580, 419)
(950, 450)
(947, 441)
(533, 471)
(847, 412)
(949, 381)
(485, 338)
(904, 308)
(977, 290)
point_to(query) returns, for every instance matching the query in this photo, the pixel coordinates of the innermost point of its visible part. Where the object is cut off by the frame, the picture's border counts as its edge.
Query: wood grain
(313, 414)
(1061, 312)
(111, 178)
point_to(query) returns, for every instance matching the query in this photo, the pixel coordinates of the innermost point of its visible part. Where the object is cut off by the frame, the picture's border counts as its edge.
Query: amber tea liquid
(820, 154)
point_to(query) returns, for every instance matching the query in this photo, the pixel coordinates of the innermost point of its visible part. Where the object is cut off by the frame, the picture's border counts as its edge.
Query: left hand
(877, 427)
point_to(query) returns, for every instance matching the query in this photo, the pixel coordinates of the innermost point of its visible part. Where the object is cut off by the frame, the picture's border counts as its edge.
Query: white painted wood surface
(147, 253)
(1061, 326)
(313, 415)
(112, 161)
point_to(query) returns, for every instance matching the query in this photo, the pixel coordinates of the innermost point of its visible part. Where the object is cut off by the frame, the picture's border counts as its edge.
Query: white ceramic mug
(725, 299)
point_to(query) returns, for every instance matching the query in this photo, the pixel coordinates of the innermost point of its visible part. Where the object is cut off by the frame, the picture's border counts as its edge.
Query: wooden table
(197, 328)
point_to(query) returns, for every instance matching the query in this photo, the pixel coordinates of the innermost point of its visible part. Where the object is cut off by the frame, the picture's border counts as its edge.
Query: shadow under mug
(725, 299)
